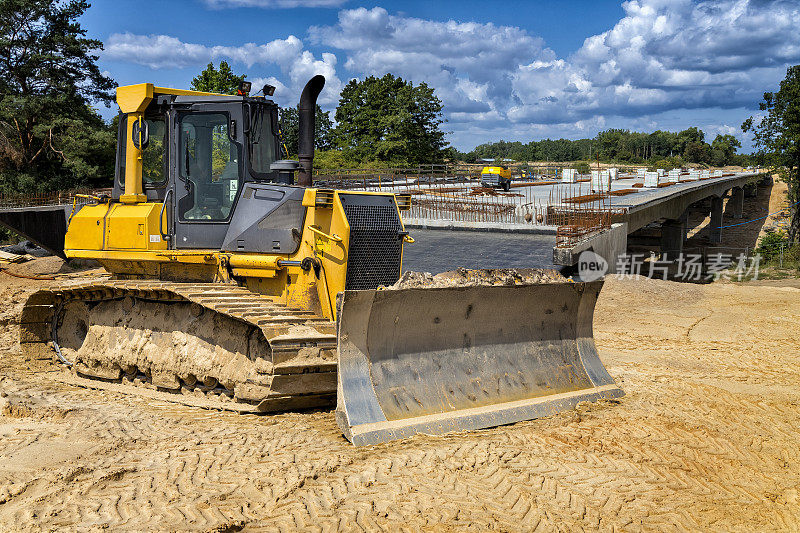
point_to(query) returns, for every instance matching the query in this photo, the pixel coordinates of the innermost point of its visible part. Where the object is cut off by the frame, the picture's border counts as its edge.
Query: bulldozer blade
(436, 360)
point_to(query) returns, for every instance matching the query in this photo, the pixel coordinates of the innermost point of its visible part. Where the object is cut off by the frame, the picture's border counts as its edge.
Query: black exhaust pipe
(307, 124)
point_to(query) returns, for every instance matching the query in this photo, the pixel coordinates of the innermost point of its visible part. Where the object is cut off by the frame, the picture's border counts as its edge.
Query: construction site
(704, 437)
(225, 340)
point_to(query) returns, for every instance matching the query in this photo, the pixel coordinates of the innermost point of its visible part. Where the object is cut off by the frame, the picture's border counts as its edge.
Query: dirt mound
(463, 277)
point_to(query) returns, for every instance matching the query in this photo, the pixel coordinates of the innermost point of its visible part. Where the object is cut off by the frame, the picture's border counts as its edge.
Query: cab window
(153, 156)
(153, 168)
(261, 140)
(209, 163)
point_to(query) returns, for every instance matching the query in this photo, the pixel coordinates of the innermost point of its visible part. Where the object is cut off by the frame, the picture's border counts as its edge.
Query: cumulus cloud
(469, 63)
(663, 65)
(662, 56)
(667, 54)
(154, 51)
(272, 4)
(296, 63)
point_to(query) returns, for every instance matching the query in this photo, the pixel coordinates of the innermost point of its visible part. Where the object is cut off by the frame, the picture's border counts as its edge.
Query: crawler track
(209, 345)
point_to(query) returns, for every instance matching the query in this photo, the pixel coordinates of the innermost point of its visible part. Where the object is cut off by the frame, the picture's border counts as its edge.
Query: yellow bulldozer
(231, 287)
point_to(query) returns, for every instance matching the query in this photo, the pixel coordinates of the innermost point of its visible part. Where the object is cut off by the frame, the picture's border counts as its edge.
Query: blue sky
(513, 70)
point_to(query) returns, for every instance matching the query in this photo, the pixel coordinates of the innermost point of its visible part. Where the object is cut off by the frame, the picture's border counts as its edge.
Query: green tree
(391, 120)
(665, 143)
(697, 152)
(777, 138)
(610, 143)
(723, 149)
(50, 136)
(689, 136)
(290, 128)
(222, 81)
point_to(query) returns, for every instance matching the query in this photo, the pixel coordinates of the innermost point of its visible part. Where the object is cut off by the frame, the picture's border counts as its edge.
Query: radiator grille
(375, 246)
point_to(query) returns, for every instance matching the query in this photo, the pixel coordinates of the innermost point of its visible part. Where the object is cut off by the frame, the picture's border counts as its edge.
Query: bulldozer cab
(197, 151)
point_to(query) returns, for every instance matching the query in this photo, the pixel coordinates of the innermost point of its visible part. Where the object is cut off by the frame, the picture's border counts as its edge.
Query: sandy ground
(706, 438)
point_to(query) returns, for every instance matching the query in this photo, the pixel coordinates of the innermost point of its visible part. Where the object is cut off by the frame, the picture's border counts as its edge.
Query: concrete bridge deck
(638, 206)
(667, 206)
(652, 204)
(46, 225)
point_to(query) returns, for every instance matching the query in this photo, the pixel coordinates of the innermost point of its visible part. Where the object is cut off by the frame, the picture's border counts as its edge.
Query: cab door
(209, 178)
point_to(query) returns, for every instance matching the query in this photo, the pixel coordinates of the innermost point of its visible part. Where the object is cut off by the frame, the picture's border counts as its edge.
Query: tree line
(623, 146)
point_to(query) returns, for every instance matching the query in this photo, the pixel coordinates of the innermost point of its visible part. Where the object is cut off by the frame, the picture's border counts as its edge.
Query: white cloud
(154, 51)
(668, 54)
(663, 56)
(663, 64)
(467, 62)
(272, 4)
(289, 55)
(164, 51)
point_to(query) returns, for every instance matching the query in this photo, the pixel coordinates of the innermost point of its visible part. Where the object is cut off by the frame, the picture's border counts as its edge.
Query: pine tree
(50, 136)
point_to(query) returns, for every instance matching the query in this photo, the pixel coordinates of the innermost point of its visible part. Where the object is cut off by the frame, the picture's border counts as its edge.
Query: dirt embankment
(705, 439)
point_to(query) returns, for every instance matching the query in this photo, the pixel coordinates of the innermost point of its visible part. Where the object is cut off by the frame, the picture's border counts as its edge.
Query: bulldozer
(234, 284)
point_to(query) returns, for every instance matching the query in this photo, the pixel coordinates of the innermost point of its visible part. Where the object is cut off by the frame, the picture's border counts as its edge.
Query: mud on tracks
(704, 439)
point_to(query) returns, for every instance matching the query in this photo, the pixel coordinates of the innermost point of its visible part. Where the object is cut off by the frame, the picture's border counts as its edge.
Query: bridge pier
(737, 197)
(751, 190)
(716, 219)
(673, 235)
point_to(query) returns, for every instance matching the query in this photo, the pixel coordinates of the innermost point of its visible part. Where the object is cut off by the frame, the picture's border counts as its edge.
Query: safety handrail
(321, 233)
(161, 217)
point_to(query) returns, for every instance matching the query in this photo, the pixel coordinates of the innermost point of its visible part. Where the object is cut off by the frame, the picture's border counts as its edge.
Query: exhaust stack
(307, 124)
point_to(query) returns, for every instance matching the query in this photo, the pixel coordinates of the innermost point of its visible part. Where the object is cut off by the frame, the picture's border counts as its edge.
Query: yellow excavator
(232, 288)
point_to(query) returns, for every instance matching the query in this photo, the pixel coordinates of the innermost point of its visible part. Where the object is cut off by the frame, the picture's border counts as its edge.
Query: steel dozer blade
(436, 360)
